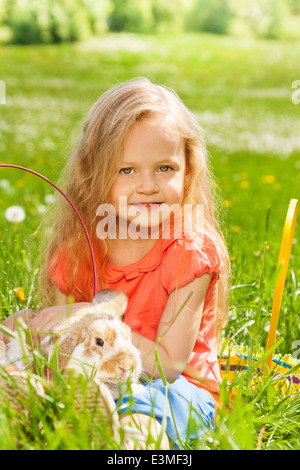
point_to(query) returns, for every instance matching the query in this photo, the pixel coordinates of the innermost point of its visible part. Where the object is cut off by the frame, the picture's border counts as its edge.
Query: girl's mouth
(148, 207)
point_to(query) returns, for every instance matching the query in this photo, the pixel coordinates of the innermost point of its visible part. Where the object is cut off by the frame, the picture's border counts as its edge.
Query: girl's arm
(60, 298)
(43, 320)
(49, 317)
(176, 334)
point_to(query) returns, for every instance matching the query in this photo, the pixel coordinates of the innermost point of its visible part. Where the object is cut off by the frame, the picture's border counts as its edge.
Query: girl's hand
(49, 317)
(10, 322)
(44, 321)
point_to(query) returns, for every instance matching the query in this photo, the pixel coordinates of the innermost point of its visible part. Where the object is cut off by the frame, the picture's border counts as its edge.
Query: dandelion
(20, 184)
(15, 214)
(268, 179)
(227, 203)
(19, 291)
(5, 184)
(232, 258)
(40, 160)
(244, 184)
(49, 198)
(41, 208)
(236, 229)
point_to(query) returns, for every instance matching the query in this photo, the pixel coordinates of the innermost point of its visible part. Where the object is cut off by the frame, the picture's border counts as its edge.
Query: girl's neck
(129, 251)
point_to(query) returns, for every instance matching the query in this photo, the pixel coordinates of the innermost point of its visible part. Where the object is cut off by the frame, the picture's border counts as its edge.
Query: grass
(241, 92)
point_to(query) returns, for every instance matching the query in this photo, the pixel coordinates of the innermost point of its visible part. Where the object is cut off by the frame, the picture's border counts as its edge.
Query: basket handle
(283, 262)
(71, 203)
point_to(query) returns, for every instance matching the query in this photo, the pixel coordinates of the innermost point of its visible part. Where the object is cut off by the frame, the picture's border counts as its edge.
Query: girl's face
(152, 172)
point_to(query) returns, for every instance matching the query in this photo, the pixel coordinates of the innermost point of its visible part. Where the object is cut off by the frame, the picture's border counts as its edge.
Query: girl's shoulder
(191, 254)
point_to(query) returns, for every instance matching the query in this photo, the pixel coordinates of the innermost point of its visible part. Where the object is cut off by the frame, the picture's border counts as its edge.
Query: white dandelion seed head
(5, 184)
(49, 198)
(15, 214)
(41, 208)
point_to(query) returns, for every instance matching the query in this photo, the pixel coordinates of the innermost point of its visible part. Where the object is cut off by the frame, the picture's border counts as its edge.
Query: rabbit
(95, 339)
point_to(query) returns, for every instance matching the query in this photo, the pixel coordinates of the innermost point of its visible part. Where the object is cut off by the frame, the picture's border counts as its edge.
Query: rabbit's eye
(99, 342)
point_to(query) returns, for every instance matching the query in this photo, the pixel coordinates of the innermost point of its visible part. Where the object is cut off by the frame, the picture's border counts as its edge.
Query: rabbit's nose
(123, 371)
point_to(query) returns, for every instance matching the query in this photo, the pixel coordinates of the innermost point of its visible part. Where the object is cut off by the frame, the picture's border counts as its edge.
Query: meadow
(241, 92)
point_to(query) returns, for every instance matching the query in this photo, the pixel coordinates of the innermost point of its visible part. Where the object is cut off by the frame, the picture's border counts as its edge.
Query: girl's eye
(126, 171)
(99, 342)
(165, 168)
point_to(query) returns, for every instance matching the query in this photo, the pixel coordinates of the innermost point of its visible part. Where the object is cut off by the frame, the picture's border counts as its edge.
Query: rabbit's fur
(95, 339)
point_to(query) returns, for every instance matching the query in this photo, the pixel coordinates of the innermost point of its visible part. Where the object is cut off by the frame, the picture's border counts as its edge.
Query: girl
(141, 153)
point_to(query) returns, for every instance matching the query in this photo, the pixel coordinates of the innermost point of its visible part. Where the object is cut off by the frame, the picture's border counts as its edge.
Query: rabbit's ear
(112, 301)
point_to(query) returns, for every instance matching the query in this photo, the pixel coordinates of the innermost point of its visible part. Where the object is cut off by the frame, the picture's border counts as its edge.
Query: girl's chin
(140, 227)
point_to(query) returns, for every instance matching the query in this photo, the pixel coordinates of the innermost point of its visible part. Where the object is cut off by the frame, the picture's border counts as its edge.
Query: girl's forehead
(162, 125)
(144, 133)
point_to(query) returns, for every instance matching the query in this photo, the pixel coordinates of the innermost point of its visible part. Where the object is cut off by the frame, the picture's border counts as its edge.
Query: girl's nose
(147, 185)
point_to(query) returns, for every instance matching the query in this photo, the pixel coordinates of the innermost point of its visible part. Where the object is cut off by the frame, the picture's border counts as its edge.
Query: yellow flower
(268, 179)
(19, 291)
(227, 203)
(244, 184)
(20, 183)
(232, 258)
(40, 160)
(236, 229)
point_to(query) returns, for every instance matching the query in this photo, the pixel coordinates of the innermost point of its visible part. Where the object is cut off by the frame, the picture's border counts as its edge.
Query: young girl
(141, 152)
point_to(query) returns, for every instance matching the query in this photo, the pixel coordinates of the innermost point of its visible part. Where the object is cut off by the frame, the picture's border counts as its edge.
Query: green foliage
(46, 21)
(209, 15)
(294, 6)
(131, 16)
(267, 18)
(54, 21)
(170, 16)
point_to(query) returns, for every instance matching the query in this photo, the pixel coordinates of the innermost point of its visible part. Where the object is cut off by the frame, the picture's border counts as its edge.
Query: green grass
(241, 93)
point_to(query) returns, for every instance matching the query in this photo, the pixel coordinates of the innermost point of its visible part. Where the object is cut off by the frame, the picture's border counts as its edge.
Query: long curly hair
(91, 171)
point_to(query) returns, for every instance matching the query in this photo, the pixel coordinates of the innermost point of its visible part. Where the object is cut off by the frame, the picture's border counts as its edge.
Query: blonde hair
(93, 166)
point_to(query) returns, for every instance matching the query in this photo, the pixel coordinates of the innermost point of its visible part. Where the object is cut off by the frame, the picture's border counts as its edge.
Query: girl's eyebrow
(158, 162)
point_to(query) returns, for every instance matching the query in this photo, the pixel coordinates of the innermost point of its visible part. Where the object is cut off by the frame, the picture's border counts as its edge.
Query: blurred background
(54, 21)
(232, 62)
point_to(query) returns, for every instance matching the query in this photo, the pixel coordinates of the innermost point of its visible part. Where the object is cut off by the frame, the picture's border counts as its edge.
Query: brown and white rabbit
(95, 340)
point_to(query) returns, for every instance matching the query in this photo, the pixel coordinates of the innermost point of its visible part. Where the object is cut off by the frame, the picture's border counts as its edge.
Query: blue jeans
(188, 410)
